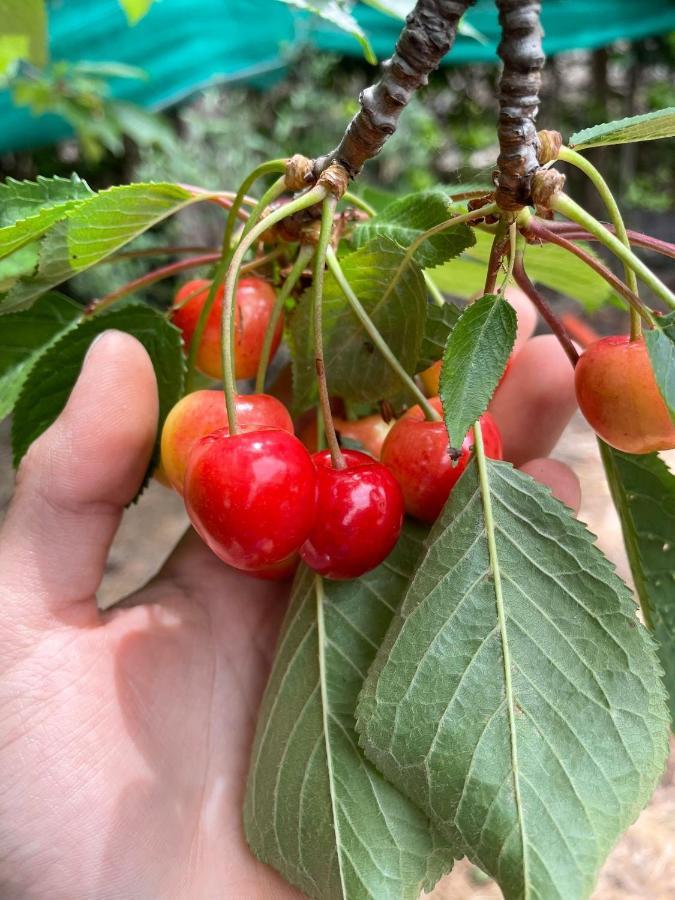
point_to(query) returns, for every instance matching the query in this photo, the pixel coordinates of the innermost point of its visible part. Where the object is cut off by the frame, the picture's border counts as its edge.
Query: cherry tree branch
(428, 35)
(521, 52)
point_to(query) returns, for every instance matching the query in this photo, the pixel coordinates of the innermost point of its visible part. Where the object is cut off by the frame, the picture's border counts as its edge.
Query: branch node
(550, 143)
(546, 183)
(299, 172)
(335, 179)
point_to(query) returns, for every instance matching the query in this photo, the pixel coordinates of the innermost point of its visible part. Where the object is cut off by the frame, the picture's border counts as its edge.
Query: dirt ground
(642, 864)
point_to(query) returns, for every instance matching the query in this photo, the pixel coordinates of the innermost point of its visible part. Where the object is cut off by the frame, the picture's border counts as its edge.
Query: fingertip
(526, 313)
(557, 476)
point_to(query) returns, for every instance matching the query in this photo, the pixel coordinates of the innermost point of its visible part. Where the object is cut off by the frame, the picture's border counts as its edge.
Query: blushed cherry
(369, 431)
(416, 452)
(201, 412)
(251, 496)
(358, 519)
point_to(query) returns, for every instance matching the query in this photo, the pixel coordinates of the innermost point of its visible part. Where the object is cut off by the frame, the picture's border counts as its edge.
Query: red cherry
(619, 396)
(359, 516)
(370, 432)
(251, 495)
(202, 412)
(416, 451)
(253, 308)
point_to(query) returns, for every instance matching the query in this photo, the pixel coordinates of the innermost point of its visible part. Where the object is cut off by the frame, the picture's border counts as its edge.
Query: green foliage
(24, 336)
(29, 208)
(439, 322)
(315, 808)
(354, 368)
(406, 219)
(52, 377)
(651, 126)
(515, 697)
(661, 348)
(548, 265)
(643, 490)
(338, 12)
(475, 356)
(135, 9)
(23, 33)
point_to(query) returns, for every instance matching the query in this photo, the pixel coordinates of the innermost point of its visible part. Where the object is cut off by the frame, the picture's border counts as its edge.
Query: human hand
(124, 736)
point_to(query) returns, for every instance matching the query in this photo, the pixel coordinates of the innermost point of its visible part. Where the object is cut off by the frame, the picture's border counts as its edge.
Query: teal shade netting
(186, 44)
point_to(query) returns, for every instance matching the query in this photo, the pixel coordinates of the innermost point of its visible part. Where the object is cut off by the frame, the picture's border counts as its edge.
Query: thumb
(74, 482)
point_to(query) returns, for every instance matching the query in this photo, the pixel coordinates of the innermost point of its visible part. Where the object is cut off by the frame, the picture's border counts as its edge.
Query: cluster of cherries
(259, 499)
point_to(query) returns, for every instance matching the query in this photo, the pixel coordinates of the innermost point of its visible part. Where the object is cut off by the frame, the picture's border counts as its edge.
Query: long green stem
(437, 229)
(436, 295)
(359, 203)
(274, 165)
(273, 191)
(513, 244)
(322, 250)
(316, 195)
(587, 167)
(304, 256)
(571, 210)
(377, 339)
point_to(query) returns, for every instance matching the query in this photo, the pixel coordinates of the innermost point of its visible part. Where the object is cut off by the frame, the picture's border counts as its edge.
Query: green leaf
(661, 349)
(315, 809)
(135, 9)
(516, 698)
(474, 360)
(548, 265)
(24, 336)
(24, 33)
(643, 490)
(439, 323)
(338, 12)
(92, 231)
(406, 219)
(29, 208)
(52, 377)
(651, 126)
(354, 368)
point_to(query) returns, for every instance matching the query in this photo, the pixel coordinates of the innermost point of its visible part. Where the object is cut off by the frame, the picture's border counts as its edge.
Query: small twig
(537, 229)
(494, 261)
(547, 313)
(574, 232)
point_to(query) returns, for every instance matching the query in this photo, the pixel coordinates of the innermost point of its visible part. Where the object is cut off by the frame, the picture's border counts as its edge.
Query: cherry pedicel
(416, 452)
(619, 396)
(202, 412)
(359, 516)
(251, 496)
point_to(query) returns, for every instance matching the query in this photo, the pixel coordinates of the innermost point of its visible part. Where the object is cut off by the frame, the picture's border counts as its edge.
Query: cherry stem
(315, 195)
(274, 165)
(273, 191)
(159, 251)
(580, 162)
(571, 210)
(375, 336)
(469, 216)
(322, 250)
(359, 203)
(513, 249)
(539, 230)
(547, 314)
(495, 261)
(303, 257)
(637, 239)
(436, 295)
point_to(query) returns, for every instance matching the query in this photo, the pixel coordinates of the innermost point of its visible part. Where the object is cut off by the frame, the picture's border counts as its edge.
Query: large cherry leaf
(339, 13)
(649, 126)
(354, 368)
(516, 698)
(51, 379)
(315, 808)
(92, 230)
(439, 323)
(643, 490)
(407, 218)
(24, 336)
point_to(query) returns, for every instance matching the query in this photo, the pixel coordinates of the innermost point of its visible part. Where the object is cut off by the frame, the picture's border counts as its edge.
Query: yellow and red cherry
(359, 516)
(253, 307)
(619, 397)
(251, 496)
(416, 451)
(202, 412)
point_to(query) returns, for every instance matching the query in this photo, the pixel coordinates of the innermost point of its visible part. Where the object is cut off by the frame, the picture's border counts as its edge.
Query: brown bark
(521, 52)
(428, 35)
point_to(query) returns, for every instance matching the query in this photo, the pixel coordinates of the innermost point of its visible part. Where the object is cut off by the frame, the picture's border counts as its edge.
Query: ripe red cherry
(619, 396)
(416, 452)
(202, 412)
(253, 308)
(251, 495)
(359, 516)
